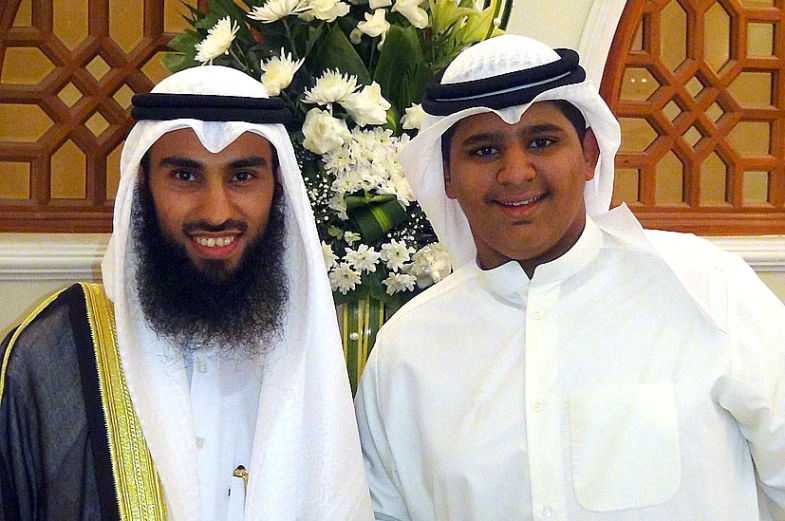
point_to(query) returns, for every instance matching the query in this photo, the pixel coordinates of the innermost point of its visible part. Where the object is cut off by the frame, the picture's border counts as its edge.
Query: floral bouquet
(352, 75)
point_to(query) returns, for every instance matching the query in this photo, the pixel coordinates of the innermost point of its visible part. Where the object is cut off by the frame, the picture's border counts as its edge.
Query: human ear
(591, 153)
(447, 180)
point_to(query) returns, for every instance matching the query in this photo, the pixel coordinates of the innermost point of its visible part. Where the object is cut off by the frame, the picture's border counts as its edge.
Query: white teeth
(212, 242)
(524, 202)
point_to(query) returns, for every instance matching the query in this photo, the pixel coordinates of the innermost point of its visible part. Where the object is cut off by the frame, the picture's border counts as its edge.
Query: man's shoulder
(45, 337)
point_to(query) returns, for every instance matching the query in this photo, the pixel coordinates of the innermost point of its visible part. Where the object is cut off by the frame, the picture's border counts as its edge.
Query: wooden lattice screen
(68, 69)
(699, 88)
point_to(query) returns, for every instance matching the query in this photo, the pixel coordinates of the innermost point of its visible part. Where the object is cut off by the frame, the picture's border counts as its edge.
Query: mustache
(206, 226)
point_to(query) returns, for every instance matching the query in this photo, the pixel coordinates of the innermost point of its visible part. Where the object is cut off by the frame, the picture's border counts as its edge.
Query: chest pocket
(624, 443)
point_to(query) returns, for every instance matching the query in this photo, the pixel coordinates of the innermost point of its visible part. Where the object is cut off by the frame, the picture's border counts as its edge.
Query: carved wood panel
(68, 69)
(699, 89)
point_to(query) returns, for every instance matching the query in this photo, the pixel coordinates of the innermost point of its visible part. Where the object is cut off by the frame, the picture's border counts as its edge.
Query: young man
(575, 366)
(205, 378)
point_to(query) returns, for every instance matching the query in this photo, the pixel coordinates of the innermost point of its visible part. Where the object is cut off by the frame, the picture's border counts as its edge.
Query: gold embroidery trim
(139, 491)
(16, 334)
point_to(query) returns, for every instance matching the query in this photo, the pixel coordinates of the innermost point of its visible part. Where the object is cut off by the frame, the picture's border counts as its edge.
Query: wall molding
(67, 257)
(63, 257)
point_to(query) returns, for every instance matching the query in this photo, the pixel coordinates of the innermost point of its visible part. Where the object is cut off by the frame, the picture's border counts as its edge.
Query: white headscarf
(306, 461)
(422, 157)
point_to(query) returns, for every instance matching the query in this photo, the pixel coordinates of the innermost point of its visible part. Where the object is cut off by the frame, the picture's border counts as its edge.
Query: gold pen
(240, 472)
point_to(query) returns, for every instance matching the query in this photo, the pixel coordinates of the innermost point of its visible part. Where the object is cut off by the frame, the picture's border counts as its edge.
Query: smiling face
(521, 186)
(214, 205)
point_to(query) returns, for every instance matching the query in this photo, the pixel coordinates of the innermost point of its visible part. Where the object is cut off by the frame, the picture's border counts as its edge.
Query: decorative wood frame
(734, 217)
(40, 212)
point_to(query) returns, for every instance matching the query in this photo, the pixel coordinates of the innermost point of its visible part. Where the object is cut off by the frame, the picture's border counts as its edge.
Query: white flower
(431, 264)
(398, 282)
(331, 87)
(274, 10)
(330, 259)
(219, 39)
(367, 107)
(338, 203)
(375, 25)
(278, 72)
(343, 278)
(413, 118)
(323, 132)
(376, 4)
(351, 237)
(364, 258)
(396, 254)
(412, 11)
(327, 10)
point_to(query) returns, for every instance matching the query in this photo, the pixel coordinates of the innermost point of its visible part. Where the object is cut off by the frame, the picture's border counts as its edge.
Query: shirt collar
(509, 279)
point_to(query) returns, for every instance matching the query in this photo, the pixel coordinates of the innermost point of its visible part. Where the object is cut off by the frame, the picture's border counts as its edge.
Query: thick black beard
(237, 311)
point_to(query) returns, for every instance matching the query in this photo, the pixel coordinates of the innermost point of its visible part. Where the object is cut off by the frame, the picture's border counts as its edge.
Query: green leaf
(337, 52)
(175, 62)
(185, 42)
(401, 70)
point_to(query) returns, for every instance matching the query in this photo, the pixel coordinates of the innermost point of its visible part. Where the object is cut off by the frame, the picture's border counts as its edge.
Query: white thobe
(225, 400)
(598, 390)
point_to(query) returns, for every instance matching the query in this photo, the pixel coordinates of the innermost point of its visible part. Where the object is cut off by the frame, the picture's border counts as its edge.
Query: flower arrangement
(351, 73)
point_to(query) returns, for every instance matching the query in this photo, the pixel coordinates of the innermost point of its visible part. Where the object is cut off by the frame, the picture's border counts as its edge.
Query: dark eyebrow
(182, 162)
(247, 162)
(484, 137)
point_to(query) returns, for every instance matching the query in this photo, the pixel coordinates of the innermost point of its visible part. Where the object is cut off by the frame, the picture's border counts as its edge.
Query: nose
(216, 204)
(516, 167)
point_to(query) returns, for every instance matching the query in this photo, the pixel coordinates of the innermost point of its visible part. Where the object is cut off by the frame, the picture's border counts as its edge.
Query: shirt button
(200, 442)
(201, 366)
(537, 314)
(538, 407)
(546, 512)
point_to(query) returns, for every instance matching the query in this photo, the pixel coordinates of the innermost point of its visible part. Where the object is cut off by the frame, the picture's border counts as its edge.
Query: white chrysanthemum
(398, 282)
(274, 10)
(413, 118)
(367, 107)
(331, 87)
(279, 71)
(364, 258)
(412, 11)
(430, 265)
(375, 24)
(343, 278)
(376, 4)
(327, 10)
(351, 237)
(219, 39)
(323, 132)
(330, 258)
(396, 254)
(338, 203)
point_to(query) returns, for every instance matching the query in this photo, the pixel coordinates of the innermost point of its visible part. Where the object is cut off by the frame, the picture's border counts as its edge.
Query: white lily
(375, 25)
(367, 107)
(327, 10)
(412, 11)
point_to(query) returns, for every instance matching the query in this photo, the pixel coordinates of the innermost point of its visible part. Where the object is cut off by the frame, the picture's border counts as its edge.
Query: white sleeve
(755, 394)
(388, 503)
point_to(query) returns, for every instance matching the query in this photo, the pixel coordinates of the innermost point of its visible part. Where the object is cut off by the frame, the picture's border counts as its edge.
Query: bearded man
(204, 379)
